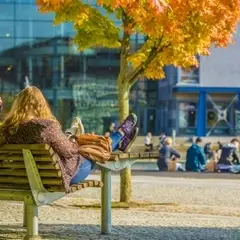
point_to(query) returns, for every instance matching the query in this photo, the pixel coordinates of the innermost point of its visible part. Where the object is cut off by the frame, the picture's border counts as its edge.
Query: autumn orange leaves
(176, 30)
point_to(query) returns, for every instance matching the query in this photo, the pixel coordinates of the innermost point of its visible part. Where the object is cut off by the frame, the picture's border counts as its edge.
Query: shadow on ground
(92, 232)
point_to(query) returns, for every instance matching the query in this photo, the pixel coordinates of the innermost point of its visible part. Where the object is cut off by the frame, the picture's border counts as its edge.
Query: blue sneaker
(128, 125)
(128, 140)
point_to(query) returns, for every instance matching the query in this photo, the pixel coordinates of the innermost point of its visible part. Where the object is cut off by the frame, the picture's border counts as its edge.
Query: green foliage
(93, 29)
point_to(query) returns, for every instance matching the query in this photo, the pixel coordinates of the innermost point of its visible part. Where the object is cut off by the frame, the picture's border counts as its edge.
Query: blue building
(206, 100)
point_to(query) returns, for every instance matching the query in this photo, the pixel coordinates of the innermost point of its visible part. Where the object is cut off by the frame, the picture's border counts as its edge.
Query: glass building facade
(75, 83)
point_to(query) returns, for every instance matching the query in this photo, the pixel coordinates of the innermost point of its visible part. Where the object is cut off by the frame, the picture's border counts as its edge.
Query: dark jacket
(49, 132)
(207, 149)
(195, 159)
(229, 155)
(166, 153)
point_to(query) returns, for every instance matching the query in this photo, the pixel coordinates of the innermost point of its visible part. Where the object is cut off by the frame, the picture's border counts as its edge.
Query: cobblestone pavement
(189, 209)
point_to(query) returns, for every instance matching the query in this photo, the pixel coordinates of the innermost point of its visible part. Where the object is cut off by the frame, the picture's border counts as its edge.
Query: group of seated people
(227, 158)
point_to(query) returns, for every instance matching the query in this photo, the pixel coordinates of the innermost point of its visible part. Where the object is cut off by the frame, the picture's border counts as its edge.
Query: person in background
(162, 138)
(218, 151)
(220, 145)
(1, 104)
(229, 159)
(208, 150)
(167, 153)
(195, 159)
(148, 141)
(229, 153)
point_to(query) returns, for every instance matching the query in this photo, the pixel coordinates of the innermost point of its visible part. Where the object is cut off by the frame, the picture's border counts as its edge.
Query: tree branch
(140, 69)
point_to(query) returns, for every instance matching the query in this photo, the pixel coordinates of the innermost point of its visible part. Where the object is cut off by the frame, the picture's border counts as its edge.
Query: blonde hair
(29, 102)
(168, 141)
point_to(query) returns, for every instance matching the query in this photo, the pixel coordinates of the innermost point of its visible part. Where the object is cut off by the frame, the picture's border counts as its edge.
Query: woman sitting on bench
(30, 121)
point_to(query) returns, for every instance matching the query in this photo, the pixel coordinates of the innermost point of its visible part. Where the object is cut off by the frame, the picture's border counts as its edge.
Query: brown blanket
(94, 147)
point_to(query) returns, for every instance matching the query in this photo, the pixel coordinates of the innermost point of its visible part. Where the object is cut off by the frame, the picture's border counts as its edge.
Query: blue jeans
(87, 165)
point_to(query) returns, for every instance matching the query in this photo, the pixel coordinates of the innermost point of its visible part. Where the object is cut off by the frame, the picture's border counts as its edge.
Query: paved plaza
(185, 209)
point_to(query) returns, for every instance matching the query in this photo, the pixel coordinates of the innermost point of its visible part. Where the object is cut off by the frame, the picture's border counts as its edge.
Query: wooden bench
(31, 174)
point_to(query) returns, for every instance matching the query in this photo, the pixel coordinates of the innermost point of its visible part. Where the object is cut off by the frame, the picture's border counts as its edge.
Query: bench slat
(52, 188)
(85, 184)
(76, 187)
(17, 165)
(144, 155)
(49, 173)
(14, 186)
(113, 157)
(19, 158)
(26, 146)
(123, 156)
(134, 155)
(154, 154)
(34, 152)
(22, 173)
(24, 180)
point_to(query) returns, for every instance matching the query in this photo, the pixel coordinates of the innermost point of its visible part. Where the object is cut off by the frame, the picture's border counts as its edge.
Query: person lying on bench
(229, 159)
(30, 121)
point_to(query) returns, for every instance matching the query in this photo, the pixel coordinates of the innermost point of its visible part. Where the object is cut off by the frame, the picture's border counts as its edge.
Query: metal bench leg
(32, 219)
(24, 214)
(106, 201)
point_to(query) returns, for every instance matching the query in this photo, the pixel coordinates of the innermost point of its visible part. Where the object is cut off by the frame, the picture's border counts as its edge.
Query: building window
(26, 11)
(35, 29)
(6, 44)
(190, 75)
(7, 11)
(216, 123)
(6, 29)
(187, 117)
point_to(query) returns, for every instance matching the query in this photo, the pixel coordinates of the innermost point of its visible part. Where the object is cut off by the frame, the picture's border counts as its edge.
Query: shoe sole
(134, 138)
(134, 116)
(80, 126)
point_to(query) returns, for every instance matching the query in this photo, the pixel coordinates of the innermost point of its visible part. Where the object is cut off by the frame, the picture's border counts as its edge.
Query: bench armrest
(40, 195)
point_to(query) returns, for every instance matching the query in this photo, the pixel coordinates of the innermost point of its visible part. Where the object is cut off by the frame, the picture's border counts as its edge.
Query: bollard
(174, 136)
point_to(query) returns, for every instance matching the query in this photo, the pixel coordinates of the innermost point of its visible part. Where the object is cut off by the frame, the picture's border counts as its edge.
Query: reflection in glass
(211, 118)
(30, 11)
(33, 29)
(190, 75)
(6, 11)
(6, 44)
(187, 115)
(6, 29)
(212, 115)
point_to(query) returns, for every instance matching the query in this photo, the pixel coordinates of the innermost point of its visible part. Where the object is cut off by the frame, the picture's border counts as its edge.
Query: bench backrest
(12, 168)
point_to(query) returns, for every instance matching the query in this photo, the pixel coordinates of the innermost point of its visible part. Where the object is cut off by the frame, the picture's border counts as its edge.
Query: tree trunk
(125, 175)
